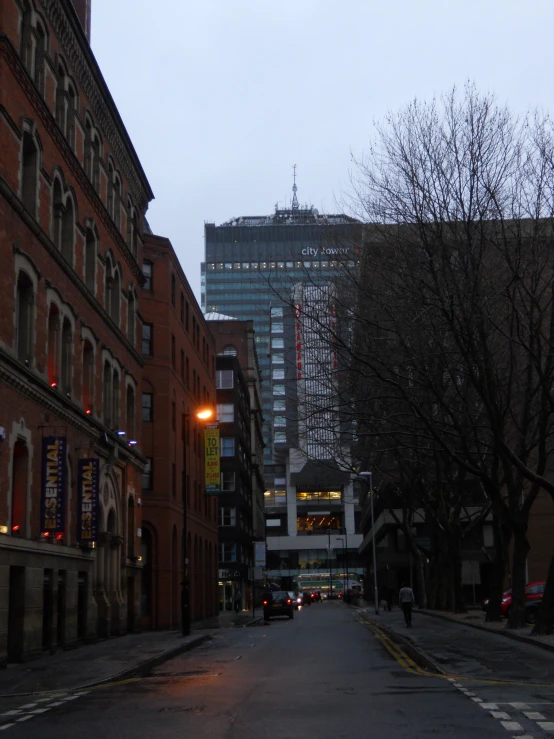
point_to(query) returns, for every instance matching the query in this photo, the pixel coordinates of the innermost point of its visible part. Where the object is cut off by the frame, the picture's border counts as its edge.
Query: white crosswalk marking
(6, 726)
(534, 715)
(546, 725)
(500, 714)
(512, 726)
(490, 706)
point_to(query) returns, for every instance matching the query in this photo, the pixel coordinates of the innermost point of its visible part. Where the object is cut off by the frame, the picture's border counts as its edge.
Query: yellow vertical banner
(213, 477)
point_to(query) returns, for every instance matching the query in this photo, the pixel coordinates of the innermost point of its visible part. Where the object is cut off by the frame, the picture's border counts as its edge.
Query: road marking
(29, 705)
(40, 710)
(500, 714)
(546, 725)
(534, 715)
(519, 706)
(58, 703)
(477, 700)
(512, 726)
(6, 726)
(489, 706)
(12, 713)
(23, 718)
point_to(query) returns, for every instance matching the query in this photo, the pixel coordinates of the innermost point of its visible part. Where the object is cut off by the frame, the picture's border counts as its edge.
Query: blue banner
(88, 488)
(54, 474)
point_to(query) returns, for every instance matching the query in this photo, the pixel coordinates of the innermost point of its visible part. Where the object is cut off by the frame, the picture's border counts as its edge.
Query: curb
(254, 621)
(508, 634)
(139, 669)
(417, 654)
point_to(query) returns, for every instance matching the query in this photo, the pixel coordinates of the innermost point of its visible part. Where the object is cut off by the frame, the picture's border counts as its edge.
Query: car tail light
(265, 602)
(289, 600)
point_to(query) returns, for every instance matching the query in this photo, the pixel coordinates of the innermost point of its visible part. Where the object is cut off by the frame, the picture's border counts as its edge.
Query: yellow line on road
(410, 666)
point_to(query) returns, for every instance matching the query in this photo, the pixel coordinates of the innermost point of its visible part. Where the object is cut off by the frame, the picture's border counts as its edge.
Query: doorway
(60, 611)
(47, 603)
(16, 614)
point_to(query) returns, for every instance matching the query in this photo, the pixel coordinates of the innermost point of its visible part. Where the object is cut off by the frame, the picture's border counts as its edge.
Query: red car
(533, 592)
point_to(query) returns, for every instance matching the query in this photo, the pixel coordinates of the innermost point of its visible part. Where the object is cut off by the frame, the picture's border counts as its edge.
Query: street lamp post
(344, 540)
(203, 415)
(330, 567)
(375, 589)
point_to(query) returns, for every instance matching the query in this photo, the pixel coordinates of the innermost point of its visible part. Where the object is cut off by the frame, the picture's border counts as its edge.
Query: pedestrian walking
(238, 600)
(406, 599)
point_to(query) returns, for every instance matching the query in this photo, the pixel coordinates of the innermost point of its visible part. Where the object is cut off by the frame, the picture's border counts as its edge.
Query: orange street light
(205, 414)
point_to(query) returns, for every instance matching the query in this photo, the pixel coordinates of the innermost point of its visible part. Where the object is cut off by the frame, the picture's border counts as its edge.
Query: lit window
(280, 265)
(277, 343)
(246, 265)
(290, 265)
(147, 475)
(276, 312)
(278, 405)
(278, 374)
(280, 437)
(224, 379)
(236, 265)
(228, 265)
(277, 327)
(278, 358)
(230, 350)
(307, 265)
(278, 389)
(279, 421)
(254, 265)
(147, 272)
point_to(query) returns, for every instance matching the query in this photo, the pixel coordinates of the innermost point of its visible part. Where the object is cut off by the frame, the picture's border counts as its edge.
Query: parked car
(533, 594)
(297, 599)
(280, 605)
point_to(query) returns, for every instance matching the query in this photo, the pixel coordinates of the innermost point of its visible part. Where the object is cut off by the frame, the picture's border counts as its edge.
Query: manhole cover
(182, 709)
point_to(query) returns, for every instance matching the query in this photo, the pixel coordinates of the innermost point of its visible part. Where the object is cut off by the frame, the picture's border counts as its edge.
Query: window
(147, 338)
(173, 290)
(173, 351)
(277, 343)
(278, 389)
(54, 327)
(230, 350)
(223, 379)
(227, 448)
(280, 437)
(276, 312)
(187, 372)
(187, 315)
(131, 318)
(279, 405)
(225, 412)
(147, 272)
(173, 416)
(90, 260)
(278, 374)
(278, 358)
(182, 365)
(277, 327)
(115, 294)
(147, 406)
(24, 317)
(146, 479)
(130, 412)
(20, 483)
(227, 482)
(174, 479)
(68, 231)
(107, 395)
(67, 357)
(279, 421)
(182, 308)
(227, 516)
(29, 173)
(227, 552)
(88, 377)
(115, 403)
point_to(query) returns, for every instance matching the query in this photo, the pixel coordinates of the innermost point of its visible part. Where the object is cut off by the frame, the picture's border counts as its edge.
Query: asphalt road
(324, 674)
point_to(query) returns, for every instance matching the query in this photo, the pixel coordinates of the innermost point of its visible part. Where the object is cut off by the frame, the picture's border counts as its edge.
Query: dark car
(533, 596)
(280, 604)
(307, 598)
(297, 600)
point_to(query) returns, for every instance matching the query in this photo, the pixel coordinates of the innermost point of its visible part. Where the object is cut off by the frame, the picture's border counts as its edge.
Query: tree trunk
(502, 535)
(544, 625)
(516, 619)
(421, 580)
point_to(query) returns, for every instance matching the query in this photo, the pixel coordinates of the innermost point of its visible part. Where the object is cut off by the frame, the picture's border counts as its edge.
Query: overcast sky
(222, 97)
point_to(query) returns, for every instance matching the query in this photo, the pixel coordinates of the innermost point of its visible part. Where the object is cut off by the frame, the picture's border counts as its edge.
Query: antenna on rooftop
(294, 205)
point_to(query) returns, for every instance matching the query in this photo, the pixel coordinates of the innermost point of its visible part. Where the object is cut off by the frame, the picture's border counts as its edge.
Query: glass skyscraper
(255, 267)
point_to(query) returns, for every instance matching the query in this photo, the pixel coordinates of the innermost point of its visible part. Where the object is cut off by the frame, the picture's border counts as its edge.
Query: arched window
(95, 171)
(117, 202)
(90, 260)
(40, 50)
(130, 527)
(115, 297)
(27, 38)
(88, 149)
(29, 173)
(57, 213)
(68, 231)
(116, 401)
(134, 241)
(20, 477)
(53, 345)
(110, 189)
(230, 350)
(130, 412)
(107, 393)
(24, 317)
(61, 99)
(131, 317)
(88, 377)
(67, 357)
(70, 116)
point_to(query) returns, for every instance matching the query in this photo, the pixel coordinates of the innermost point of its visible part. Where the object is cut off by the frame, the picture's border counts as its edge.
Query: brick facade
(178, 380)
(72, 201)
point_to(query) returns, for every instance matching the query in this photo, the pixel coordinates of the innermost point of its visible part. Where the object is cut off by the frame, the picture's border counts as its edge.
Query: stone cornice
(86, 71)
(13, 61)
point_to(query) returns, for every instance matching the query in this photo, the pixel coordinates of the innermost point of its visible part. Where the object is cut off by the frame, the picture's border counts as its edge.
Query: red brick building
(179, 371)
(72, 200)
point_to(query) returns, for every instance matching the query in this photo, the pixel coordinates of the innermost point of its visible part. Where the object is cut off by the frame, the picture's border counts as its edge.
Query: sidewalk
(463, 645)
(104, 661)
